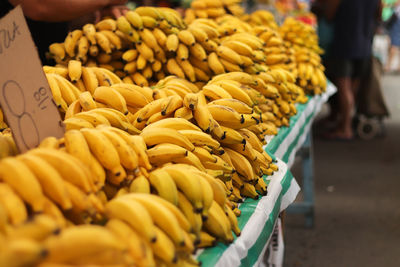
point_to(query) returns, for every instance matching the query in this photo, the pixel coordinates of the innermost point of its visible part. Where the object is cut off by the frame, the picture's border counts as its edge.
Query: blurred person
(47, 19)
(394, 32)
(354, 23)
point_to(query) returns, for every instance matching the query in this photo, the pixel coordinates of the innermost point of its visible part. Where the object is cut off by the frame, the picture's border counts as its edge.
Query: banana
(70, 42)
(206, 240)
(76, 123)
(49, 179)
(218, 224)
(56, 92)
(235, 104)
(138, 248)
(93, 118)
(233, 220)
(68, 91)
(77, 146)
(203, 154)
(22, 252)
(70, 168)
(204, 118)
(187, 209)
(83, 48)
(132, 97)
(135, 19)
(174, 68)
(174, 123)
(172, 43)
(261, 186)
(234, 89)
(186, 37)
(164, 185)
(41, 227)
(103, 150)
(241, 164)
(86, 101)
(184, 113)
(164, 248)
(149, 11)
(199, 138)
(240, 77)
(57, 50)
(116, 119)
(50, 142)
(114, 40)
(182, 52)
(214, 92)
(199, 34)
(74, 243)
(249, 190)
(130, 56)
(103, 42)
(158, 135)
(139, 79)
(135, 214)
(170, 104)
(239, 47)
(111, 97)
(164, 153)
(150, 22)
(162, 216)
(23, 181)
(190, 159)
(127, 155)
(252, 139)
(106, 24)
(229, 54)
(208, 195)
(215, 64)
(224, 114)
(89, 30)
(146, 51)
(147, 36)
(197, 51)
(89, 79)
(13, 205)
(218, 190)
(187, 184)
(124, 26)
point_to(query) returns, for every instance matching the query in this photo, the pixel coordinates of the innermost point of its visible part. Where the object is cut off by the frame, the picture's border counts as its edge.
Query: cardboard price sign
(25, 95)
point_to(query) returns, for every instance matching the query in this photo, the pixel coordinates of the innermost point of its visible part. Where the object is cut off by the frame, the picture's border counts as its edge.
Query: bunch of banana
(48, 181)
(304, 41)
(7, 144)
(89, 42)
(213, 9)
(160, 231)
(85, 245)
(261, 17)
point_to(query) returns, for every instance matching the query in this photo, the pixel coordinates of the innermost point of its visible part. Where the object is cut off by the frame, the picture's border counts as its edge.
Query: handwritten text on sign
(25, 96)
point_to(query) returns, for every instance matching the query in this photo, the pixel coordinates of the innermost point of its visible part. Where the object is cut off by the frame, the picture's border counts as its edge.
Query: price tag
(25, 95)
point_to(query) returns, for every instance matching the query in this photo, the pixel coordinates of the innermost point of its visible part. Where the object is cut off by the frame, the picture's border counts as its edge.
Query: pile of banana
(304, 40)
(213, 9)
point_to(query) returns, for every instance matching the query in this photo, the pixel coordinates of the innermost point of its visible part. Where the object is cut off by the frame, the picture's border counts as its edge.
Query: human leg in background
(346, 107)
(394, 33)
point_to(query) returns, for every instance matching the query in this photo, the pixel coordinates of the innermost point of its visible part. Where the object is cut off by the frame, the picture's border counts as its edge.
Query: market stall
(143, 141)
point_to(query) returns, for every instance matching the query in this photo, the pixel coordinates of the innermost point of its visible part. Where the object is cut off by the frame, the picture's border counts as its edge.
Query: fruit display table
(259, 217)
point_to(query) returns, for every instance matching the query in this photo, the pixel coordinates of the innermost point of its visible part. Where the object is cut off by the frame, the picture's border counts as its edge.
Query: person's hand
(114, 11)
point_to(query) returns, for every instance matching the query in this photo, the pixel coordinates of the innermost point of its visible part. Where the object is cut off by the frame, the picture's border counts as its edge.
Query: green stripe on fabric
(273, 145)
(285, 157)
(255, 251)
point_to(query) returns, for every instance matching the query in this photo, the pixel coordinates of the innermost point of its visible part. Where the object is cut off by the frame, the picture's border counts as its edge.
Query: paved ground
(357, 201)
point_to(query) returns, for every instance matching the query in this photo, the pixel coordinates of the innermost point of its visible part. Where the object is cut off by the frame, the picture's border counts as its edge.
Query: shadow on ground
(357, 212)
